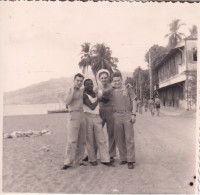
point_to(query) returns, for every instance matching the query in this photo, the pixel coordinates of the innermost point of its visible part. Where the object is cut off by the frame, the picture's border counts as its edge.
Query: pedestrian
(124, 108)
(139, 105)
(151, 106)
(145, 101)
(106, 109)
(157, 105)
(136, 99)
(76, 135)
(94, 132)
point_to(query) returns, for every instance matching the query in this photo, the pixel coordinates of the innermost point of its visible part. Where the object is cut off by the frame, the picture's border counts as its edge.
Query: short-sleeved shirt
(151, 103)
(122, 99)
(157, 101)
(139, 103)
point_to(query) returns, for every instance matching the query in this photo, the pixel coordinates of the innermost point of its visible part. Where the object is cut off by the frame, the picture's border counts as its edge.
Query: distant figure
(145, 103)
(157, 105)
(136, 99)
(139, 105)
(151, 106)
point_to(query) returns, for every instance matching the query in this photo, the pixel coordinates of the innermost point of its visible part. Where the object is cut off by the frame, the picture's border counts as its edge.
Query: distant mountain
(43, 92)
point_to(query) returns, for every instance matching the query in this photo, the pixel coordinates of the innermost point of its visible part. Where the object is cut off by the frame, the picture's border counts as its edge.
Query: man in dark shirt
(106, 109)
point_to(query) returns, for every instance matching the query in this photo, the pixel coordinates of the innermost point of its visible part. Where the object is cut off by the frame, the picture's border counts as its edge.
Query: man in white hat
(106, 109)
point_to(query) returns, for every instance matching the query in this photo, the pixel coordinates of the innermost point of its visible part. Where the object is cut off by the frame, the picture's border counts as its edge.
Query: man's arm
(88, 103)
(134, 102)
(105, 96)
(69, 96)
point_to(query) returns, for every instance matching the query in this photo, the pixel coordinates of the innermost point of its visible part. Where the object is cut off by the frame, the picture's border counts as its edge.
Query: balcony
(172, 80)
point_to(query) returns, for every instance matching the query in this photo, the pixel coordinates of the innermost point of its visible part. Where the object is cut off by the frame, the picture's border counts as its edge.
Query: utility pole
(150, 75)
(136, 88)
(140, 82)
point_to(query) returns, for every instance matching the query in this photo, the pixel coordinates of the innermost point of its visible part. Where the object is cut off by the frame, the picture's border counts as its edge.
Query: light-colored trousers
(76, 138)
(140, 109)
(95, 138)
(151, 110)
(124, 136)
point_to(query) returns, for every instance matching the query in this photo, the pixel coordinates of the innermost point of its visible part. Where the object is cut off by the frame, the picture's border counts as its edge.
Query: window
(194, 54)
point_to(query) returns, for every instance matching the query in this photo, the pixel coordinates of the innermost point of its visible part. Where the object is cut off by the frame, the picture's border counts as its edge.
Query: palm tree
(102, 59)
(97, 57)
(174, 35)
(193, 31)
(86, 58)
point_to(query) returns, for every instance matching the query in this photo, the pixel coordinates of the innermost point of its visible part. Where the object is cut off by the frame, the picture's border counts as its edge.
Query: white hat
(101, 71)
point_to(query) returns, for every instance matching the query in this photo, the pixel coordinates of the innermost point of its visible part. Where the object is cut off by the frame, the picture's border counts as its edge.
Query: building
(176, 74)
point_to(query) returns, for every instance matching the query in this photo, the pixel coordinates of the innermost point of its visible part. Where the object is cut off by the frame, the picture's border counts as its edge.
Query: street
(165, 149)
(165, 158)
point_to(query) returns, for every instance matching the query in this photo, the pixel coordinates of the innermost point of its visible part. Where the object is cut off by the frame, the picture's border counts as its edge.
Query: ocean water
(9, 110)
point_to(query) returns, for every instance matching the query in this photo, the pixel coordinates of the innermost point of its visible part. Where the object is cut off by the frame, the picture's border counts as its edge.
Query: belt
(76, 111)
(122, 111)
(91, 114)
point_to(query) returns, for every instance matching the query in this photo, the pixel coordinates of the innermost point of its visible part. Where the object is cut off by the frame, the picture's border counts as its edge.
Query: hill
(43, 92)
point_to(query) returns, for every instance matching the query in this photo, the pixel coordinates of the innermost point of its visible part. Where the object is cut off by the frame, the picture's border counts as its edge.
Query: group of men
(151, 104)
(90, 109)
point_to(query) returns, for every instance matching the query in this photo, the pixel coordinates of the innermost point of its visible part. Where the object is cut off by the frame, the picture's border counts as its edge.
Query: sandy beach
(165, 155)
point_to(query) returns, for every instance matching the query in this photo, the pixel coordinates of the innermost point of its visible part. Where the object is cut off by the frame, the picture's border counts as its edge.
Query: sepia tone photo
(99, 98)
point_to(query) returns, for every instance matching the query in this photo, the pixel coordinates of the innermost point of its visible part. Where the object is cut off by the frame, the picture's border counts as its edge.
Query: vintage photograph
(99, 98)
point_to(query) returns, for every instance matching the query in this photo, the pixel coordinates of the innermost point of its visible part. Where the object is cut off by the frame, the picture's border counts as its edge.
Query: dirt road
(165, 155)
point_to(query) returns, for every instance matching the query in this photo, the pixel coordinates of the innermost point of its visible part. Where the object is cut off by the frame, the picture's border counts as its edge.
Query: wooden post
(150, 75)
(140, 83)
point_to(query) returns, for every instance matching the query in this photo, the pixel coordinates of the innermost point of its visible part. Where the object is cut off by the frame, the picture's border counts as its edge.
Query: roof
(171, 52)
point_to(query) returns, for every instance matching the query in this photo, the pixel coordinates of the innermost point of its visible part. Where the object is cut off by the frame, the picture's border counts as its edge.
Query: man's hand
(133, 119)
(100, 94)
(69, 95)
(129, 86)
(95, 89)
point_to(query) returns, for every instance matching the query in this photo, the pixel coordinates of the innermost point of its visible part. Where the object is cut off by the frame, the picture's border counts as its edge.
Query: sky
(42, 40)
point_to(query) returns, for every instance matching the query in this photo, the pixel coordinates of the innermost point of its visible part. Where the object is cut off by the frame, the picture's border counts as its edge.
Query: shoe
(112, 159)
(83, 164)
(65, 167)
(85, 159)
(94, 163)
(109, 164)
(123, 162)
(130, 165)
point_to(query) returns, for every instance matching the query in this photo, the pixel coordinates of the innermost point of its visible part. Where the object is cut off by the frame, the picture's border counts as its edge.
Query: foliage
(97, 57)
(86, 58)
(174, 36)
(134, 81)
(157, 54)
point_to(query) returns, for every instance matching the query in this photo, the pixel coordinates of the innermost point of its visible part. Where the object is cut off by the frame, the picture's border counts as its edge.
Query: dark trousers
(106, 114)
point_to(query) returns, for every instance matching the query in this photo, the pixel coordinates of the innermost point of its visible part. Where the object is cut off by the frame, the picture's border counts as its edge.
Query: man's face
(89, 85)
(117, 81)
(78, 81)
(104, 78)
